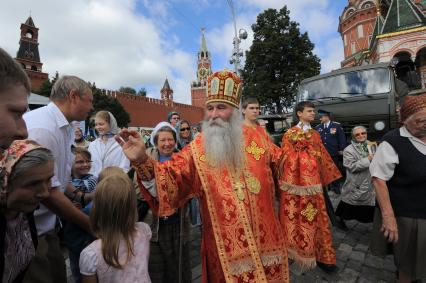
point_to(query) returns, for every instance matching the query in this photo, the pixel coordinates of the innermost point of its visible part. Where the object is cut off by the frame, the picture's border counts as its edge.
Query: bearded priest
(230, 169)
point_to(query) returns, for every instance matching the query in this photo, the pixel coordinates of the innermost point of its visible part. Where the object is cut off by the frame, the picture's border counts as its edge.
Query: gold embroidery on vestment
(238, 189)
(255, 150)
(253, 184)
(309, 212)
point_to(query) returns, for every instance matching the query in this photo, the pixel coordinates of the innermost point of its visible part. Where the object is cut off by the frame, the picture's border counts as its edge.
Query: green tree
(103, 102)
(47, 85)
(127, 89)
(278, 60)
(141, 92)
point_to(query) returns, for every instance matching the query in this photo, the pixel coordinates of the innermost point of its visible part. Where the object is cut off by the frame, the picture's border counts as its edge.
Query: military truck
(277, 125)
(364, 95)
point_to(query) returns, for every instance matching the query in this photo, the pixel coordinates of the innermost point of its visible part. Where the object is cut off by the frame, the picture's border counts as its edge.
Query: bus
(364, 95)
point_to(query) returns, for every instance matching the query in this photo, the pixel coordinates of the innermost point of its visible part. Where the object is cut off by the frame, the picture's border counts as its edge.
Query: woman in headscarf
(79, 140)
(169, 249)
(26, 170)
(184, 134)
(105, 151)
(358, 197)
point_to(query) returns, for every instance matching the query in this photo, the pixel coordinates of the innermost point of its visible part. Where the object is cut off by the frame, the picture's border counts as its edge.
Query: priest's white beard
(223, 141)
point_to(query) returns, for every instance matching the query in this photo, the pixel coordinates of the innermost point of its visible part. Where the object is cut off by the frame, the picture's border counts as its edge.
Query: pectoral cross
(238, 189)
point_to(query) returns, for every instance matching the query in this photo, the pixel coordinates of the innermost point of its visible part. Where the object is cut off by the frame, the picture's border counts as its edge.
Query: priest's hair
(223, 141)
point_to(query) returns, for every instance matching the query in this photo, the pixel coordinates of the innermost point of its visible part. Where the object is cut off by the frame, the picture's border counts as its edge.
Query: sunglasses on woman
(184, 129)
(360, 134)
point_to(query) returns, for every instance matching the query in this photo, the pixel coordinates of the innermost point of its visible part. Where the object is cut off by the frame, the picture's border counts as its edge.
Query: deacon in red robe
(306, 168)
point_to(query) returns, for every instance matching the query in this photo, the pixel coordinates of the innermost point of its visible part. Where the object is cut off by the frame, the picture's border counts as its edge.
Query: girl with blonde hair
(105, 150)
(121, 252)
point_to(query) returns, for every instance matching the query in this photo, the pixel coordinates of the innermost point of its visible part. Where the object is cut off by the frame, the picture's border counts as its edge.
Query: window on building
(360, 31)
(29, 34)
(353, 48)
(345, 39)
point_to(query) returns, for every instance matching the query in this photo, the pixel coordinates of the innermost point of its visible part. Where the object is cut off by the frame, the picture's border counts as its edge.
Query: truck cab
(364, 95)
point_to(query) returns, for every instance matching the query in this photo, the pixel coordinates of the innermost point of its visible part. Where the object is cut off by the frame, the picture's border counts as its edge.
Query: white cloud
(116, 43)
(331, 54)
(314, 16)
(105, 42)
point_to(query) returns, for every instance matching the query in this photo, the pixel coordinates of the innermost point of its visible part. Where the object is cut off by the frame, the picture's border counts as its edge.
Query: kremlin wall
(147, 112)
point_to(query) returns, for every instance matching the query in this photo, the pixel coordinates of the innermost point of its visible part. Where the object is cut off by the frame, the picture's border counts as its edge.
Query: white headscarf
(159, 126)
(113, 124)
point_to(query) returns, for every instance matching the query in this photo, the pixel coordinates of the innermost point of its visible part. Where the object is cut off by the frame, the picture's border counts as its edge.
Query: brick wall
(198, 96)
(36, 79)
(148, 112)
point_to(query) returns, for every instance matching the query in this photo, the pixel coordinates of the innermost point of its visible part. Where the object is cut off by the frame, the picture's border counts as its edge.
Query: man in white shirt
(14, 92)
(51, 127)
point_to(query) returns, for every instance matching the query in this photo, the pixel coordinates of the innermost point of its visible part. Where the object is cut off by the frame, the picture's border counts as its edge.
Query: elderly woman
(79, 140)
(398, 172)
(358, 198)
(184, 134)
(168, 233)
(26, 170)
(105, 150)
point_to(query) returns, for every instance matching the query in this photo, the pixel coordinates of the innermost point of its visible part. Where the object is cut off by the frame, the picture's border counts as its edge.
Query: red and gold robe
(242, 240)
(305, 169)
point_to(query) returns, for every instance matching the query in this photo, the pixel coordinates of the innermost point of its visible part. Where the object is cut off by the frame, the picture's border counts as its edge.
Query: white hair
(223, 141)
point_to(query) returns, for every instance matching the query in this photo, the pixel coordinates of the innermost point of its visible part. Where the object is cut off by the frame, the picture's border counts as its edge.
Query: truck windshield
(341, 86)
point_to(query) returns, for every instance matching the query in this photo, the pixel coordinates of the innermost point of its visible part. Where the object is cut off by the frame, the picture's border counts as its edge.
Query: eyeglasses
(81, 162)
(185, 129)
(360, 134)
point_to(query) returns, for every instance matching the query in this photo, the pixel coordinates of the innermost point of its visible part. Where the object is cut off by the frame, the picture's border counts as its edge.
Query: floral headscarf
(10, 157)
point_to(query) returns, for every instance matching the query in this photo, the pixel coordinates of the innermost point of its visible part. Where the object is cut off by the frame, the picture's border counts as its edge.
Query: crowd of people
(125, 202)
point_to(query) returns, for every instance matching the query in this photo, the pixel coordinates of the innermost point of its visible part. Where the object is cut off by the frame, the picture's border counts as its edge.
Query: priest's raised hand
(132, 144)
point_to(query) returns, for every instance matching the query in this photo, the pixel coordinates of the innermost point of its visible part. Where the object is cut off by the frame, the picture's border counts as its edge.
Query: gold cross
(309, 212)
(255, 150)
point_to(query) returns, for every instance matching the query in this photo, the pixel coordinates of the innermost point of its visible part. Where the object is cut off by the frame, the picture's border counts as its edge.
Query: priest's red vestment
(242, 239)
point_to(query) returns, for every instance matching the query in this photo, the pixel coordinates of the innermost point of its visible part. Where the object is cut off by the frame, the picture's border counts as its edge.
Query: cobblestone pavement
(355, 262)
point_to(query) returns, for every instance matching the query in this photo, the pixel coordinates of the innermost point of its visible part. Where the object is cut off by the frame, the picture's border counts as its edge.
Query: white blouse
(136, 270)
(106, 155)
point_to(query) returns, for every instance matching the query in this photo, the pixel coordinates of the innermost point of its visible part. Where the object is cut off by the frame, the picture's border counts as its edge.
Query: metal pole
(236, 41)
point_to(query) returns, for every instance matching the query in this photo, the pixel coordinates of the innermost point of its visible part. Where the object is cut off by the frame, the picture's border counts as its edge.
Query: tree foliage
(47, 85)
(127, 89)
(278, 60)
(142, 92)
(130, 90)
(111, 104)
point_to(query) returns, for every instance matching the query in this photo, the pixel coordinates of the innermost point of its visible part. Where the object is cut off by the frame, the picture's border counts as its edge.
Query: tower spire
(28, 54)
(203, 41)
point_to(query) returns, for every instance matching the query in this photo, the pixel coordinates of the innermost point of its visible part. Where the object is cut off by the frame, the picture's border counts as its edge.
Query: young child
(121, 252)
(75, 238)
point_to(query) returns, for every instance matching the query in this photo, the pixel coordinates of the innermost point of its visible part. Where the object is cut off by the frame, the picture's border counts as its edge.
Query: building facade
(398, 36)
(28, 55)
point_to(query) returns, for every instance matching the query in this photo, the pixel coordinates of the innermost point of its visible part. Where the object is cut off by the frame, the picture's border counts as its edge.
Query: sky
(140, 43)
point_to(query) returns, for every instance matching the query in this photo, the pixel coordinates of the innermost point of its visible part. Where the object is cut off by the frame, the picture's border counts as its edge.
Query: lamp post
(241, 35)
